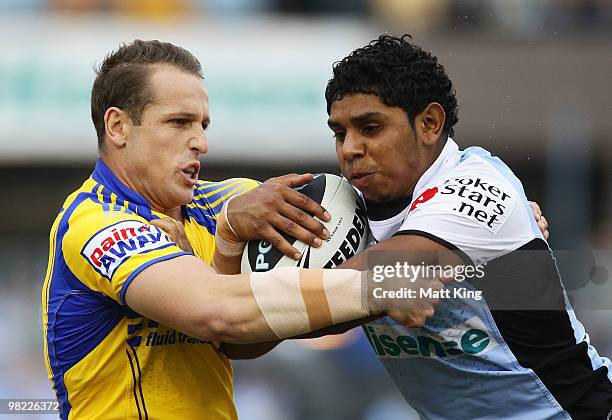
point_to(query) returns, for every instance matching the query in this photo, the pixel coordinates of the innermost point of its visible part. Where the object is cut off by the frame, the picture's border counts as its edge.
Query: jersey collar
(447, 159)
(103, 175)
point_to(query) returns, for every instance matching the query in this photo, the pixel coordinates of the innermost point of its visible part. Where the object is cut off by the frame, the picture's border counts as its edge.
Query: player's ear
(429, 124)
(117, 124)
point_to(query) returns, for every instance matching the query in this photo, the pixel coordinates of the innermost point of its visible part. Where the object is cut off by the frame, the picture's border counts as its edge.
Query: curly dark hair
(401, 74)
(123, 78)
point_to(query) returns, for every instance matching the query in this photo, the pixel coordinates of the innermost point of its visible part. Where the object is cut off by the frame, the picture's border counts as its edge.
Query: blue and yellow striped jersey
(104, 360)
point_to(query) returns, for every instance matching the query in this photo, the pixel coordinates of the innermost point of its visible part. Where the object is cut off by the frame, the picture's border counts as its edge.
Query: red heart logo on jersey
(426, 196)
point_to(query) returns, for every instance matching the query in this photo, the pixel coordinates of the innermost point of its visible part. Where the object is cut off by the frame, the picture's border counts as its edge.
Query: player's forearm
(295, 301)
(184, 293)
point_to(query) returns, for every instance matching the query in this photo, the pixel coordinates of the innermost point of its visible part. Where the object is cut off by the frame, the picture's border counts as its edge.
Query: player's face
(376, 147)
(163, 151)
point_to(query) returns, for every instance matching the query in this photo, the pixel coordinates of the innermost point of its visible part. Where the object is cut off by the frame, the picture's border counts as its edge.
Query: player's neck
(382, 211)
(123, 175)
(174, 213)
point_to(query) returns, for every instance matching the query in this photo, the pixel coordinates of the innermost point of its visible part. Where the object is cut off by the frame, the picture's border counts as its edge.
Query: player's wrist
(228, 248)
(227, 241)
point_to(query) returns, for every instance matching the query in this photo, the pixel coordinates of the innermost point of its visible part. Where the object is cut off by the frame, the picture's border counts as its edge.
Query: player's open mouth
(191, 172)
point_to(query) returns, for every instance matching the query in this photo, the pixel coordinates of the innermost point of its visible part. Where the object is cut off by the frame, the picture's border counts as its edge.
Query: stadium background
(533, 82)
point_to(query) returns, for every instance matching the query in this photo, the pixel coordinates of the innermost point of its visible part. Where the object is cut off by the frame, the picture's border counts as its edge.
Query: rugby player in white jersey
(518, 351)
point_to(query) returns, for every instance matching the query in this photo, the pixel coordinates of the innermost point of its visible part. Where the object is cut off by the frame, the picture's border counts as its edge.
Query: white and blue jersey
(517, 353)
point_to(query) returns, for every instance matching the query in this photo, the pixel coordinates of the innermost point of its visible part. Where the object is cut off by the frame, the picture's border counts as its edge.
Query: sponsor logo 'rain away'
(112, 246)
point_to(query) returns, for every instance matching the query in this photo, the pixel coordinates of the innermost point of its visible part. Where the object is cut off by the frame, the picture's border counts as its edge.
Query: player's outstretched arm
(186, 294)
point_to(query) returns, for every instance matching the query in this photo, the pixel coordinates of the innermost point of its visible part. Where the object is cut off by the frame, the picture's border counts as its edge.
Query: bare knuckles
(273, 208)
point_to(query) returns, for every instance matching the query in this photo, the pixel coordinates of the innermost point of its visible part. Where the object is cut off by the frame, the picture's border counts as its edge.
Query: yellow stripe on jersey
(209, 189)
(239, 190)
(213, 195)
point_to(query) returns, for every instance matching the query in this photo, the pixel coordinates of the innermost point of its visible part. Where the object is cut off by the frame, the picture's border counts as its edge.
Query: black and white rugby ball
(348, 230)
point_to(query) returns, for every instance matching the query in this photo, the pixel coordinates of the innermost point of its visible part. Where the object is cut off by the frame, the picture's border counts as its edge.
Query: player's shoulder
(479, 162)
(476, 189)
(86, 191)
(474, 202)
(92, 211)
(481, 174)
(94, 201)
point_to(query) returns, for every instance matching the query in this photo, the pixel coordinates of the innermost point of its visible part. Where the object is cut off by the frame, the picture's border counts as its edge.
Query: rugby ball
(348, 230)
